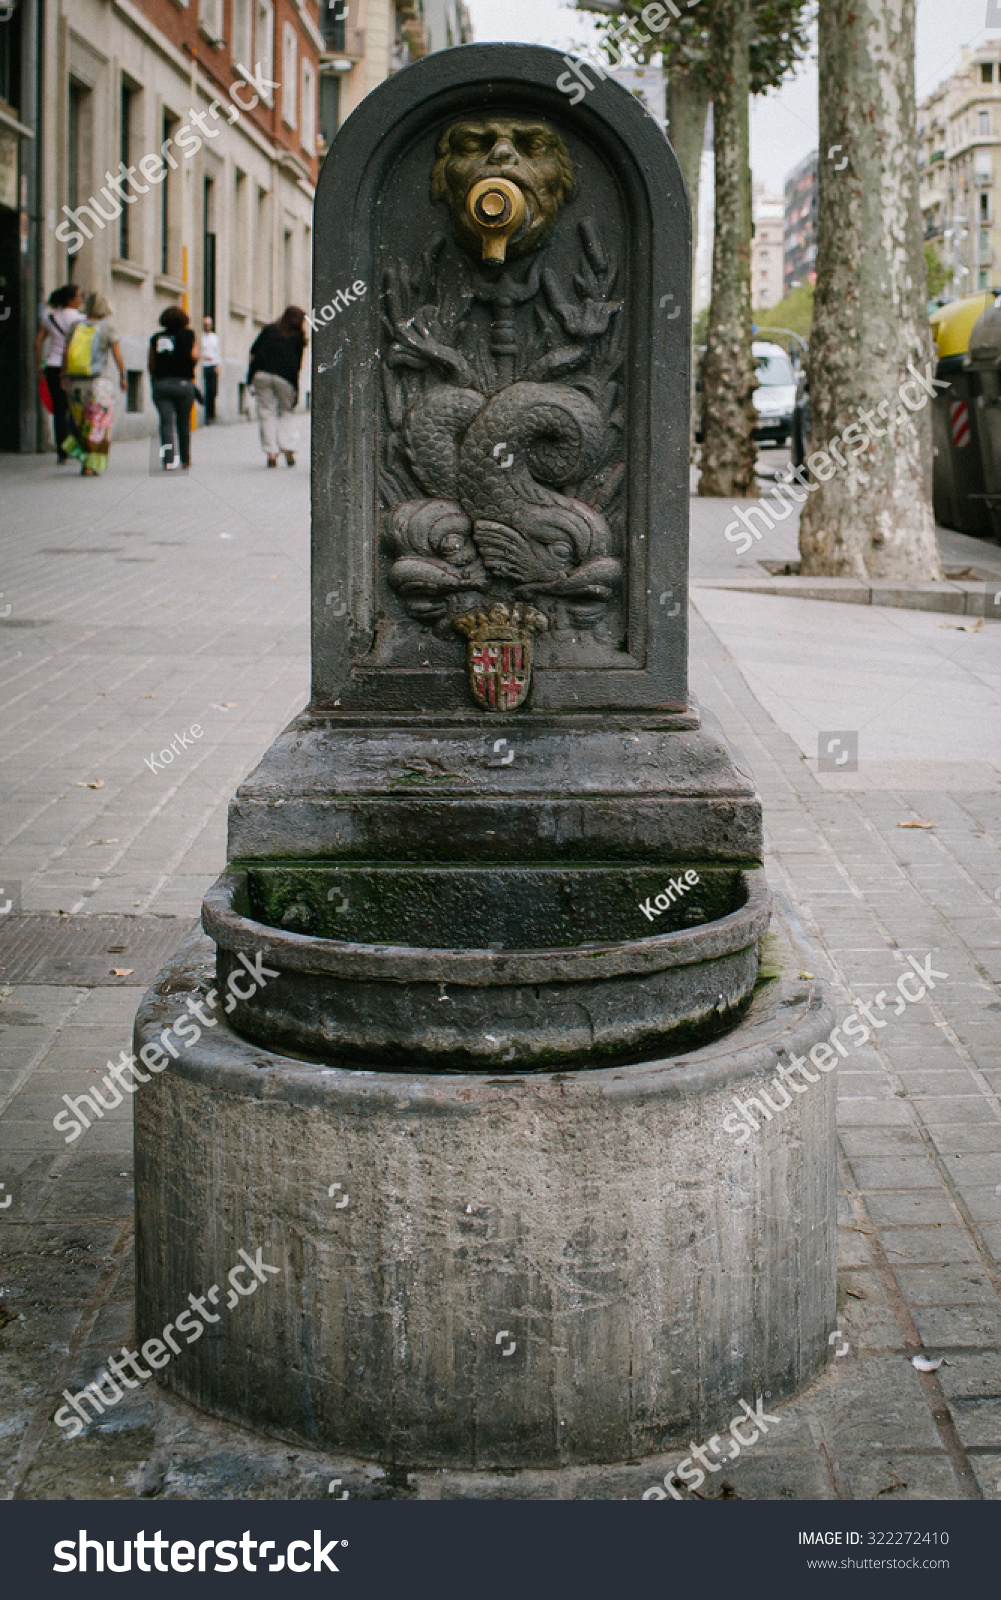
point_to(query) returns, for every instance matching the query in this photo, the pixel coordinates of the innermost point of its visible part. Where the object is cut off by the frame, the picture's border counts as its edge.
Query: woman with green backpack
(89, 391)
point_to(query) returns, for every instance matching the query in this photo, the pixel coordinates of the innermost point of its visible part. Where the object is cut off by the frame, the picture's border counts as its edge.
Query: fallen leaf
(855, 1294)
(122, 972)
(917, 823)
(925, 1364)
(90, 783)
(115, 949)
(806, 974)
(99, 841)
(727, 1492)
(898, 1483)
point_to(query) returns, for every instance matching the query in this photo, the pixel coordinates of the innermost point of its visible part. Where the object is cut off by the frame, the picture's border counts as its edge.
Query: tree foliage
(938, 273)
(779, 38)
(794, 312)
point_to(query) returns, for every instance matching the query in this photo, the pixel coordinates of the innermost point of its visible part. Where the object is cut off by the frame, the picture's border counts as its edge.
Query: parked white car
(775, 397)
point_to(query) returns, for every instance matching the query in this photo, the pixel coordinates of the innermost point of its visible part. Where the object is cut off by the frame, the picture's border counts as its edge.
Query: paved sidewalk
(102, 668)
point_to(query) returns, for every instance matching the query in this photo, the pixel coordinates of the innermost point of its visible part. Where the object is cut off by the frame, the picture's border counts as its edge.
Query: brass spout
(495, 207)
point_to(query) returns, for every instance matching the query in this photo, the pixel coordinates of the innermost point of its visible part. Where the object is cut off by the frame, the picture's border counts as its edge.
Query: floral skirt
(92, 407)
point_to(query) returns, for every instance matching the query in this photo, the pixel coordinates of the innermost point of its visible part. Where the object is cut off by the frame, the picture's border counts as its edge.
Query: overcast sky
(784, 122)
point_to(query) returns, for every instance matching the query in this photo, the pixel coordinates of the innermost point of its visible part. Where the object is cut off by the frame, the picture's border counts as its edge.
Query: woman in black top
(172, 357)
(275, 359)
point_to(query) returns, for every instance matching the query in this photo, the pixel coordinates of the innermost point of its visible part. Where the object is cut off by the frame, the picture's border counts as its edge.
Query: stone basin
(465, 969)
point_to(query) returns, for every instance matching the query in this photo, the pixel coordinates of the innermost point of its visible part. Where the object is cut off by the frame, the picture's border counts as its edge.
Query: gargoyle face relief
(527, 153)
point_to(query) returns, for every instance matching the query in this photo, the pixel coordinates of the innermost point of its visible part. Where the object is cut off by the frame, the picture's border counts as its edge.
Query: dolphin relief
(502, 480)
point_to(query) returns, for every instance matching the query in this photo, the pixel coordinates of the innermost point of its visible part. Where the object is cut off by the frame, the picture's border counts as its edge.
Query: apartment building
(221, 111)
(959, 131)
(366, 40)
(767, 250)
(800, 237)
(212, 105)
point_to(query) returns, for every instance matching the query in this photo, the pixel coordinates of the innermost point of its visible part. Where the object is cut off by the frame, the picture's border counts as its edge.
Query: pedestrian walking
(172, 357)
(56, 322)
(211, 356)
(275, 359)
(90, 392)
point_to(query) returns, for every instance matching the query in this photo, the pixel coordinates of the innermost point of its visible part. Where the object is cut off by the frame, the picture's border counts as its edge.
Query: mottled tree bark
(687, 109)
(873, 516)
(728, 381)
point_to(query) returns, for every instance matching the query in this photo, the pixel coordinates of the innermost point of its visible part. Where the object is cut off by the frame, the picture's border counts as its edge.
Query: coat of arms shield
(500, 653)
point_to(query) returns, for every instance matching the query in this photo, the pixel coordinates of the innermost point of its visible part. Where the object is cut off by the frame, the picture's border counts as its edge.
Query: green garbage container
(983, 364)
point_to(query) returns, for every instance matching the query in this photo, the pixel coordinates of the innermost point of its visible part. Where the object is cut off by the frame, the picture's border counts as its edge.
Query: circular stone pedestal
(487, 1271)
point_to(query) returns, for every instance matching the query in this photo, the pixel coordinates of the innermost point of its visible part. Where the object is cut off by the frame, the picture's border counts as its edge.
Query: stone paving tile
(945, 1285)
(899, 1476)
(947, 1327)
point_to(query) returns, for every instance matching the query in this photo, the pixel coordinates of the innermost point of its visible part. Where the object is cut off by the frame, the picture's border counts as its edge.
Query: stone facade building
(959, 131)
(366, 40)
(801, 224)
(221, 110)
(767, 250)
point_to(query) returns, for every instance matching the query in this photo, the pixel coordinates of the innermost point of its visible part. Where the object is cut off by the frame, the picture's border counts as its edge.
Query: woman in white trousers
(276, 400)
(275, 359)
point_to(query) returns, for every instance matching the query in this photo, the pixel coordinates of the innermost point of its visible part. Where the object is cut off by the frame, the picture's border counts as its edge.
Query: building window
(210, 19)
(265, 54)
(239, 241)
(307, 132)
(332, 20)
(208, 249)
(330, 106)
(263, 291)
(985, 208)
(169, 207)
(78, 154)
(290, 73)
(287, 267)
(126, 142)
(243, 31)
(985, 243)
(982, 278)
(987, 72)
(134, 390)
(985, 122)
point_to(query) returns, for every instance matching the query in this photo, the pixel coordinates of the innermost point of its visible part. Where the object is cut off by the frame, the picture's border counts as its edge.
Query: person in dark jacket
(275, 359)
(172, 357)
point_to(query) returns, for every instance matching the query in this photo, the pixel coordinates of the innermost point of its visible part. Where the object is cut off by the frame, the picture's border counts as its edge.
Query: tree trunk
(872, 516)
(728, 381)
(687, 109)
